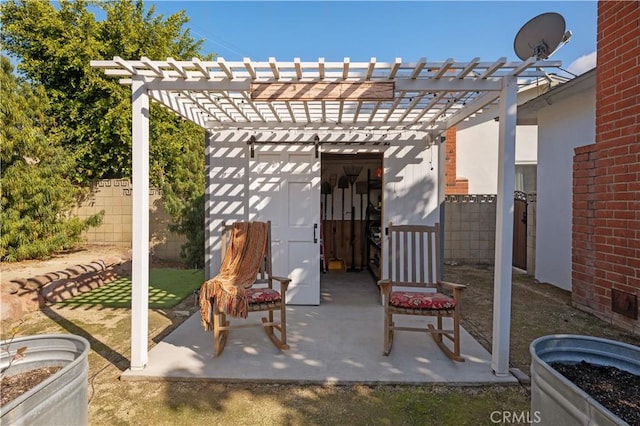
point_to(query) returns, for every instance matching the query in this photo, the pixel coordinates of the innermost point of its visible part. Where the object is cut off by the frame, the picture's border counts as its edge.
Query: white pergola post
(504, 227)
(140, 225)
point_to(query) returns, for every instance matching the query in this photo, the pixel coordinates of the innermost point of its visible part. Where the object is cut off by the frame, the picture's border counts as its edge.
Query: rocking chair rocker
(411, 249)
(244, 285)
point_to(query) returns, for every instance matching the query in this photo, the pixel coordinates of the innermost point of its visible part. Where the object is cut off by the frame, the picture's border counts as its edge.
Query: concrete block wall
(470, 228)
(114, 197)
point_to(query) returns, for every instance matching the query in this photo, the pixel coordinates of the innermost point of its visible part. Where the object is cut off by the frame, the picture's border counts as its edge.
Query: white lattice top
(406, 96)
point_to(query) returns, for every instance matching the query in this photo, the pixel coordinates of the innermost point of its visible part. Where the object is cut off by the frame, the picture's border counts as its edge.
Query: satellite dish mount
(541, 36)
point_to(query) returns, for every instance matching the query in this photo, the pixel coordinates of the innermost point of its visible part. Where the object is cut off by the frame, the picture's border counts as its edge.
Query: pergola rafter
(428, 96)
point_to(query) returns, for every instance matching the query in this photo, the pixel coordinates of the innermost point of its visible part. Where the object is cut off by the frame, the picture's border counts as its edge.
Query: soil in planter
(617, 390)
(16, 385)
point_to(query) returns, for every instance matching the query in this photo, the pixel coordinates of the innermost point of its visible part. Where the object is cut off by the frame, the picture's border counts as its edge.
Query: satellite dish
(541, 36)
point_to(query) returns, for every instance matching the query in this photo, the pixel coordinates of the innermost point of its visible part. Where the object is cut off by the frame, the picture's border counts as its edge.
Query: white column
(504, 228)
(209, 231)
(140, 225)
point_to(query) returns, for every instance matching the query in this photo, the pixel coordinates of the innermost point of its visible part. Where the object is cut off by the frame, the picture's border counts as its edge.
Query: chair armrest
(457, 288)
(385, 286)
(453, 285)
(284, 282)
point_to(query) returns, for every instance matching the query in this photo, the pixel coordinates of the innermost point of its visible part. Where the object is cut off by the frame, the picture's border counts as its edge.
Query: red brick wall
(453, 184)
(606, 179)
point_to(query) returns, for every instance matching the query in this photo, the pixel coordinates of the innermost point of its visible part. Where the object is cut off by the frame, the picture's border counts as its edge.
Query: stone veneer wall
(114, 197)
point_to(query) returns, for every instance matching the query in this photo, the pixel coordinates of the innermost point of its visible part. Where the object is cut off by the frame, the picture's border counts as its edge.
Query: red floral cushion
(262, 295)
(413, 300)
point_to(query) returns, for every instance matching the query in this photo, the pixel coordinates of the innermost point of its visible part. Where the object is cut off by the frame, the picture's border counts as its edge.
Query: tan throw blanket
(238, 272)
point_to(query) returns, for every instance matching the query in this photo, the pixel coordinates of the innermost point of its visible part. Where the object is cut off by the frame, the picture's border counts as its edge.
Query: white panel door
(410, 182)
(285, 189)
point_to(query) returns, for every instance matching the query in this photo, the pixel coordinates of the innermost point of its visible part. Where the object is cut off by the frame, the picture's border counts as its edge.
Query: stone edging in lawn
(21, 296)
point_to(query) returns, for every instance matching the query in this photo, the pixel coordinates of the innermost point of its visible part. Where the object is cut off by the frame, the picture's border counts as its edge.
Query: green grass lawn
(167, 287)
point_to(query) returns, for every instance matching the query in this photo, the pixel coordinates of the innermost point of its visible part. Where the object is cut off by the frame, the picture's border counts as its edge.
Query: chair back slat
(265, 265)
(414, 255)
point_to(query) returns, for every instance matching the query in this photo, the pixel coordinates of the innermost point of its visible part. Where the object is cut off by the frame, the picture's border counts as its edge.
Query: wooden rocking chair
(261, 297)
(414, 262)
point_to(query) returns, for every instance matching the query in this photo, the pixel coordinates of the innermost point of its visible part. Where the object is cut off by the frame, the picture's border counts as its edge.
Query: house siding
(606, 209)
(477, 154)
(566, 123)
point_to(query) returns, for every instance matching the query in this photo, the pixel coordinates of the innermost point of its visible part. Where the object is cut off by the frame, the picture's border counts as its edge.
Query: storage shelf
(372, 228)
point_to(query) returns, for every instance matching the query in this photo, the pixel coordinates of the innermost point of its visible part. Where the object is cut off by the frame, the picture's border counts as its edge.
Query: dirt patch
(16, 385)
(537, 310)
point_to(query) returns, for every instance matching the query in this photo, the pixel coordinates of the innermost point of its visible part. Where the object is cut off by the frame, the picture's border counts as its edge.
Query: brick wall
(606, 180)
(453, 184)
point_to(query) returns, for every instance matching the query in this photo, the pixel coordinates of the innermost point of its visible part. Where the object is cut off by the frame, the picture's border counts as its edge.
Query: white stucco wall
(565, 124)
(477, 154)
(412, 185)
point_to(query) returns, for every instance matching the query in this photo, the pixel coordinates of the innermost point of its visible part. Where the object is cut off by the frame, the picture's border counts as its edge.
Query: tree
(55, 45)
(36, 196)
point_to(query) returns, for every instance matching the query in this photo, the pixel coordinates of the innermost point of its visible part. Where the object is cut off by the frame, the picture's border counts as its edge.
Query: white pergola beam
(225, 69)
(201, 67)
(298, 67)
(394, 68)
(345, 68)
(171, 101)
(470, 109)
(446, 66)
(250, 68)
(449, 84)
(199, 85)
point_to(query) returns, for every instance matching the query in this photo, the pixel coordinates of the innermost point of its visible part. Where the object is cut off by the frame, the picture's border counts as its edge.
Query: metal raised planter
(62, 398)
(557, 401)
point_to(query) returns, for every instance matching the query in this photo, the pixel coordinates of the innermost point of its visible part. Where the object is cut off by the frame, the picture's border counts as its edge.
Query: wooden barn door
(285, 189)
(520, 230)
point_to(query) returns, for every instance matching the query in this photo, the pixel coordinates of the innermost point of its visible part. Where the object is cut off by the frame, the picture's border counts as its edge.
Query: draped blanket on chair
(238, 272)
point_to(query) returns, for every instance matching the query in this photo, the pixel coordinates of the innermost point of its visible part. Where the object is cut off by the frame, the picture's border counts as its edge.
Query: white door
(411, 188)
(285, 189)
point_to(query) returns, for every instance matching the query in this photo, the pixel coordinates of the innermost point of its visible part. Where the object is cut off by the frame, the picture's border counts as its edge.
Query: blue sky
(437, 30)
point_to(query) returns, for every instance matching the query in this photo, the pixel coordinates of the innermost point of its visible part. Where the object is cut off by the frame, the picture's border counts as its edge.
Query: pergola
(332, 102)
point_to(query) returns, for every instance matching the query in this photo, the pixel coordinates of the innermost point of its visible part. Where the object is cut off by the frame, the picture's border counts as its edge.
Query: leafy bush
(37, 194)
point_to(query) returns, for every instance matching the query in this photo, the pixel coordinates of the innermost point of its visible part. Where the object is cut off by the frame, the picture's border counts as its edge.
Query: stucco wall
(477, 154)
(565, 124)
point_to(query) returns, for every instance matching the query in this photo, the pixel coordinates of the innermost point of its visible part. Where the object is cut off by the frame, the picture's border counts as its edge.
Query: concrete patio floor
(338, 342)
